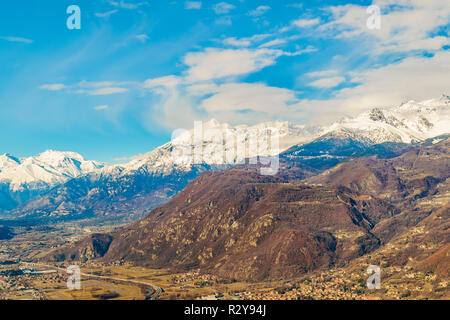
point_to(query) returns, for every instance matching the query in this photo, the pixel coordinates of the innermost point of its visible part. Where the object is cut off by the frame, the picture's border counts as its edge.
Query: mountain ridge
(278, 228)
(317, 148)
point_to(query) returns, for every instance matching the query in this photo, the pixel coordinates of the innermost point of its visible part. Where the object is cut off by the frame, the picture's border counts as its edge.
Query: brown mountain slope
(418, 176)
(91, 247)
(272, 228)
(415, 263)
(411, 175)
(239, 224)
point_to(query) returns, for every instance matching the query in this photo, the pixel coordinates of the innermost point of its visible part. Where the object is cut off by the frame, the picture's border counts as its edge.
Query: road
(156, 290)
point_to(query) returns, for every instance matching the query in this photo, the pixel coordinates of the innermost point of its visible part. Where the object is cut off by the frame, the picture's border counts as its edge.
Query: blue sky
(137, 70)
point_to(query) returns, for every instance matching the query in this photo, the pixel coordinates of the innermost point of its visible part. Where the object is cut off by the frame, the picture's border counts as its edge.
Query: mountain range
(63, 185)
(241, 225)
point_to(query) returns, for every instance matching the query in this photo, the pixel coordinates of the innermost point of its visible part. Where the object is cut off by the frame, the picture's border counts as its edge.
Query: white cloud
(97, 84)
(414, 78)
(53, 86)
(101, 107)
(164, 82)
(255, 97)
(175, 109)
(301, 23)
(308, 49)
(259, 11)
(304, 23)
(245, 42)
(142, 37)
(106, 91)
(192, 5)
(327, 82)
(226, 21)
(16, 39)
(272, 43)
(323, 73)
(223, 7)
(409, 26)
(93, 88)
(106, 14)
(219, 63)
(202, 89)
(295, 5)
(127, 5)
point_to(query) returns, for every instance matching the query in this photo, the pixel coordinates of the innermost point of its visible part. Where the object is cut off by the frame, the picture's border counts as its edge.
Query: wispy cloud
(93, 88)
(189, 5)
(322, 73)
(245, 42)
(295, 5)
(273, 43)
(167, 82)
(299, 51)
(127, 5)
(226, 21)
(415, 78)
(107, 91)
(208, 64)
(16, 39)
(53, 86)
(410, 26)
(303, 23)
(98, 84)
(101, 107)
(106, 14)
(223, 7)
(327, 82)
(255, 97)
(259, 11)
(142, 37)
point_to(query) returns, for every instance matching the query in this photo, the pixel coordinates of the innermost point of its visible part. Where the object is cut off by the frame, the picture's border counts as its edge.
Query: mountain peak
(7, 160)
(376, 114)
(44, 170)
(53, 155)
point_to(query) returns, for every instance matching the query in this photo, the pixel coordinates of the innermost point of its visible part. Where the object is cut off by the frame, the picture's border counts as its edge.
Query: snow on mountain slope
(162, 160)
(47, 169)
(410, 122)
(8, 161)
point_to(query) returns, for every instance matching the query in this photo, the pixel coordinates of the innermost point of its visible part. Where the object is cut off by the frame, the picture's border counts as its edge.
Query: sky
(137, 70)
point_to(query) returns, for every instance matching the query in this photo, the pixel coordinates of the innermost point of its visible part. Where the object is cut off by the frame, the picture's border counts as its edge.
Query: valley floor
(20, 279)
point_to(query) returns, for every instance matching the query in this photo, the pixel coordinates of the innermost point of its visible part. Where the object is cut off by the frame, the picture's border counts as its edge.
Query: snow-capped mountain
(148, 180)
(165, 160)
(25, 178)
(48, 169)
(151, 179)
(410, 122)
